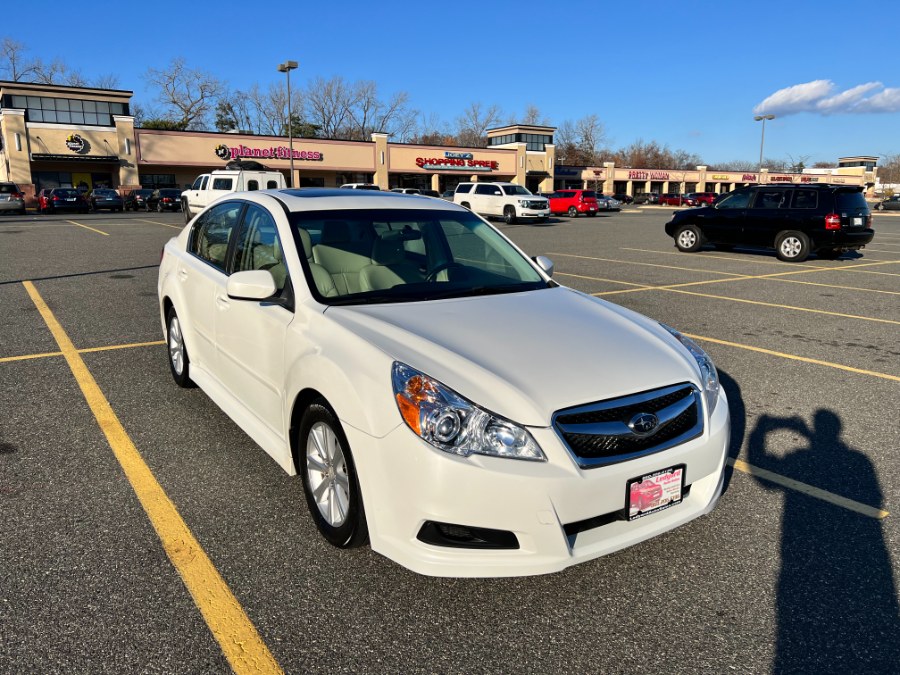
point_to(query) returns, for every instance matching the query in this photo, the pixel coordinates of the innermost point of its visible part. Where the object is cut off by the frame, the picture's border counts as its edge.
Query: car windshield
(406, 255)
(515, 190)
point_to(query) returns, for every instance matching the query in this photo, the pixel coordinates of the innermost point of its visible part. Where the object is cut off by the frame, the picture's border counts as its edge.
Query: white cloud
(818, 97)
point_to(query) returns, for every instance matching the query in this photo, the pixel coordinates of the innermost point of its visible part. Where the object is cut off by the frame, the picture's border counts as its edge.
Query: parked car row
(574, 201)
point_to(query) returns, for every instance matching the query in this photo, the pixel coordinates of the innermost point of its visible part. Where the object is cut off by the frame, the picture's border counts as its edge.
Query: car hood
(525, 355)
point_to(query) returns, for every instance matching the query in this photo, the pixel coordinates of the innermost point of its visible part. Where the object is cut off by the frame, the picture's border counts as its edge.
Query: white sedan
(438, 393)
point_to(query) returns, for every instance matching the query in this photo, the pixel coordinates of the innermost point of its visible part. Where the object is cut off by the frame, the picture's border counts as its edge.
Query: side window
(806, 199)
(464, 187)
(203, 181)
(212, 232)
(272, 185)
(486, 190)
(768, 199)
(258, 247)
(222, 183)
(736, 200)
(252, 185)
(197, 182)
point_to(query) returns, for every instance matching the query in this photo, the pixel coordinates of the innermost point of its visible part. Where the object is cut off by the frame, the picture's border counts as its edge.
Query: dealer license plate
(857, 222)
(654, 492)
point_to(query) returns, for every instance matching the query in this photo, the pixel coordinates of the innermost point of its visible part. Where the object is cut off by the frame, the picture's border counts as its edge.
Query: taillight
(833, 221)
(56, 199)
(869, 220)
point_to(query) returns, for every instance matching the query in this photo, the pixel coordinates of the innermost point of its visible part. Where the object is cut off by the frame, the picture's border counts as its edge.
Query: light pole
(286, 68)
(762, 118)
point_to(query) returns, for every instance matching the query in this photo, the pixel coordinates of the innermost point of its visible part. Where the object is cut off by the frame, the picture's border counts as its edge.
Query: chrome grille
(599, 434)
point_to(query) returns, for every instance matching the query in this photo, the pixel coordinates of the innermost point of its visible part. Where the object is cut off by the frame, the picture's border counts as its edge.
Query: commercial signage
(648, 175)
(809, 179)
(749, 177)
(781, 179)
(75, 143)
(721, 176)
(456, 161)
(225, 152)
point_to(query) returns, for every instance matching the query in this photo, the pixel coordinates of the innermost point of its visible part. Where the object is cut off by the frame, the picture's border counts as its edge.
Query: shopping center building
(59, 136)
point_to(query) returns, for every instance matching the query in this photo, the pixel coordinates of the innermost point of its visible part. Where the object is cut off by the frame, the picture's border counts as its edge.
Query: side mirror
(545, 264)
(251, 285)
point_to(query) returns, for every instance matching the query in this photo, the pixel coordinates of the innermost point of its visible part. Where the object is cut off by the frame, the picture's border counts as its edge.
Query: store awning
(538, 174)
(44, 157)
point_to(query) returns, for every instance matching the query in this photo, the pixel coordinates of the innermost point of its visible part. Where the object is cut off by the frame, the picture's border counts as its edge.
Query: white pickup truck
(210, 186)
(503, 200)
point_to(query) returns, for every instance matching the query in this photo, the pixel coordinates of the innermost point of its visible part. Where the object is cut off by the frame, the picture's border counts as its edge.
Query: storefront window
(66, 110)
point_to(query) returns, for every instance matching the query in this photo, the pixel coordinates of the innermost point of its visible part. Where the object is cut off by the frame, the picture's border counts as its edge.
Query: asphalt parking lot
(796, 570)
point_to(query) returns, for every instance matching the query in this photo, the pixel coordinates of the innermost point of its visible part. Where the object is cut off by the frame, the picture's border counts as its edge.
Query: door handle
(182, 273)
(222, 301)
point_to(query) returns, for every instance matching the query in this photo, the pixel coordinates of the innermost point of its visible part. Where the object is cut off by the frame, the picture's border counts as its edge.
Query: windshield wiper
(470, 291)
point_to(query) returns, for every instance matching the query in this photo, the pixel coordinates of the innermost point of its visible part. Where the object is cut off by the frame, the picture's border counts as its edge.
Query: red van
(572, 202)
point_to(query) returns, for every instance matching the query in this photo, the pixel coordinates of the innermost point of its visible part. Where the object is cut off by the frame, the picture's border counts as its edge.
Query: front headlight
(523, 203)
(446, 420)
(709, 377)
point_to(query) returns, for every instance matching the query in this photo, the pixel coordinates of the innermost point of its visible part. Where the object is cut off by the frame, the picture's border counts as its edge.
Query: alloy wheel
(326, 471)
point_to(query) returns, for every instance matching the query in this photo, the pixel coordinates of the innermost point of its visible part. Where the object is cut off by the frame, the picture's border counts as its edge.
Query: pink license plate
(654, 492)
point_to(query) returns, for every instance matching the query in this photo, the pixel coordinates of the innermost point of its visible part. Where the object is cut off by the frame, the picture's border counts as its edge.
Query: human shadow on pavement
(837, 607)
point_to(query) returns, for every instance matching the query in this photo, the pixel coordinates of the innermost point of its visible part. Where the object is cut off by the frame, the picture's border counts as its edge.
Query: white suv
(503, 200)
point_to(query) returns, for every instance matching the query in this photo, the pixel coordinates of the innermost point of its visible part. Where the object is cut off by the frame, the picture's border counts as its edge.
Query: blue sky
(690, 75)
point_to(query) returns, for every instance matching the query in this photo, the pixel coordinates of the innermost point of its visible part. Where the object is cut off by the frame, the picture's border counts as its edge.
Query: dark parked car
(889, 204)
(795, 220)
(164, 199)
(623, 198)
(572, 202)
(105, 198)
(51, 200)
(137, 199)
(12, 198)
(646, 198)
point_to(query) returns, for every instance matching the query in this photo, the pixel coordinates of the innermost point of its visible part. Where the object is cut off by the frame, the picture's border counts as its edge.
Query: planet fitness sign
(224, 152)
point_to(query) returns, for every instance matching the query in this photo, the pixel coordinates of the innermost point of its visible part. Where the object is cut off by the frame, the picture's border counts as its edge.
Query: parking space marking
(722, 257)
(105, 234)
(156, 222)
(818, 493)
(641, 287)
(229, 624)
(88, 350)
(779, 306)
(643, 264)
(794, 357)
(845, 288)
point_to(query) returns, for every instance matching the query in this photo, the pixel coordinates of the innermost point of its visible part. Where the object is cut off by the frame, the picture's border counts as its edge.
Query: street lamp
(763, 118)
(286, 68)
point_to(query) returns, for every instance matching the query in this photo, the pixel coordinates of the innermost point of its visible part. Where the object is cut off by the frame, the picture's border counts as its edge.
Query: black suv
(793, 219)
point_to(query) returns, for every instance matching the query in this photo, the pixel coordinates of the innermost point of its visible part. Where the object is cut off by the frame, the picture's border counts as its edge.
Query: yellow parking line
(643, 264)
(806, 489)
(105, 234)
(793, 357)
(844, 288)
(229, 624)
(25, 357)
(641, 287)
(721, 257)
(156, 222)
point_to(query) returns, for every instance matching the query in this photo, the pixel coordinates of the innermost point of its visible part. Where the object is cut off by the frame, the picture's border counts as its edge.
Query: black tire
(880, 207)
(334, 473)
(179, 362)
(509, 215)
(187, 214)
(689, 238)
(792, 246)
(573, 212)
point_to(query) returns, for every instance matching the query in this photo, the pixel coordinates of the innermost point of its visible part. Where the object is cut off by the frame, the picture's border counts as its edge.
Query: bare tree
(532, 115)
(328, 104)
(472, 125)
(55, 72)
(14, 65)
(591, 136)
(188, 95)
(107, 81)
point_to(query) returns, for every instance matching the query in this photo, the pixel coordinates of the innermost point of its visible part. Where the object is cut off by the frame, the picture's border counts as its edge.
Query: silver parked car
(12, 198)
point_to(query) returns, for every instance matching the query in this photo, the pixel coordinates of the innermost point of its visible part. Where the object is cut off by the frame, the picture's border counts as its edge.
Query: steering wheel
(446, 265)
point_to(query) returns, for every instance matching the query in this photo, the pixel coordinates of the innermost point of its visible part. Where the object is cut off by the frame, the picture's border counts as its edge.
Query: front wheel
(792, 246)
(179, 363)
(509, 215)
(329, 478)
(689, 239)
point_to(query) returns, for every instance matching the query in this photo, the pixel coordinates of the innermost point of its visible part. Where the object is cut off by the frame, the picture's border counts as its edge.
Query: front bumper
(533, 213)
(407, 483)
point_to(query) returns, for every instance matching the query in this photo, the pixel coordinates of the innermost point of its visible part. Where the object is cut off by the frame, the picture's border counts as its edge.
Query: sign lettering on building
(749, 177)
(75, 143)
(273, 152)
(781, 179)
(809, 179)
(636, 174)
(456, 161)
(719, 176)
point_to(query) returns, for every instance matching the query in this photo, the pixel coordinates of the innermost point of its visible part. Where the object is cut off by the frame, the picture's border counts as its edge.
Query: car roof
(323, 199)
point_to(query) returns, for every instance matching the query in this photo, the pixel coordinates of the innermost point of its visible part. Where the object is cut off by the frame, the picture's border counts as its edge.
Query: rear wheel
(509, 215)
(329, 478)
(689, 238)
(792, 246)
(187, 212)
(573, 212)
(179, 363)
(880, 207)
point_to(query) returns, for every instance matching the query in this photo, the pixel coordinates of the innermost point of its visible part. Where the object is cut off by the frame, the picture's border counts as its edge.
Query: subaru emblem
(643, 424)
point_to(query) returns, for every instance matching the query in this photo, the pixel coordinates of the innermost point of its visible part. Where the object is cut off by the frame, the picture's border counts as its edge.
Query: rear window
(221, 184)
(7, 188)
(66, 193)
(849, 201)
(589, 194)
